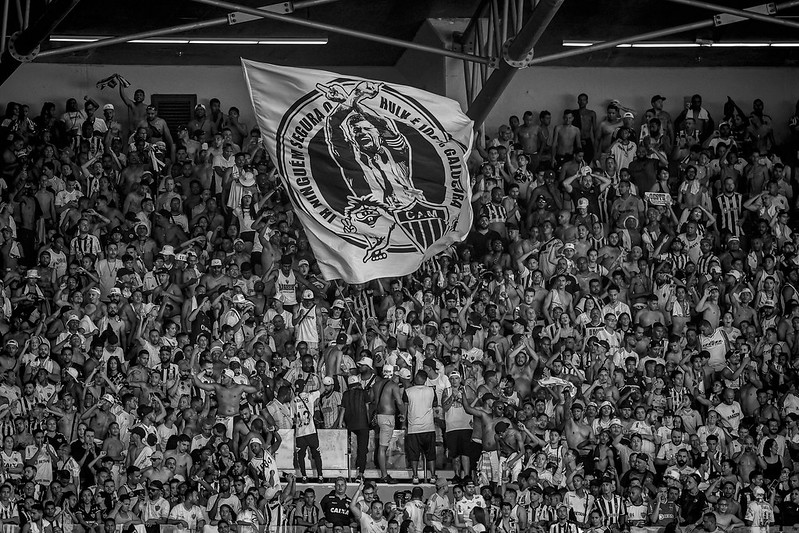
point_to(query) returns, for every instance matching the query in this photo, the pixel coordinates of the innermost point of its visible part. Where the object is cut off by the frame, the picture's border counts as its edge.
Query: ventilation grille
(176, 109)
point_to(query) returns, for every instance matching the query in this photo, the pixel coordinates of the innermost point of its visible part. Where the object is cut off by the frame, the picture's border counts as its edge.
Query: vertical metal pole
(497, 27)
(504, 20)
(4, 27)
(481, 44)
(467, 80)
(524, 42)
(27, 16)
(514, 17)
(491, 36)
(519, 15)
(19, 14)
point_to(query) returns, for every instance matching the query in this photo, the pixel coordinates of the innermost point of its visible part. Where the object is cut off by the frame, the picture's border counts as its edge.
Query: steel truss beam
(738, 12)
(192, 26)
(657, 34)
(515, 57)
(23, 45)
(345, 31)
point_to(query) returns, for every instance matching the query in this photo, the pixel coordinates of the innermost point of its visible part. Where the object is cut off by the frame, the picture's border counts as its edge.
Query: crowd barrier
(338, 454)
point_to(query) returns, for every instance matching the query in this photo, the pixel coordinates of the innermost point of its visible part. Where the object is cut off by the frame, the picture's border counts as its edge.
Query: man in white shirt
(421, 400)
(730, 412)
(188, 515)
(373, 522)
(307, 438)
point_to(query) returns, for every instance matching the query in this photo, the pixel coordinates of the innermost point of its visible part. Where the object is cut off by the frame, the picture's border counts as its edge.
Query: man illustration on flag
(374, 156)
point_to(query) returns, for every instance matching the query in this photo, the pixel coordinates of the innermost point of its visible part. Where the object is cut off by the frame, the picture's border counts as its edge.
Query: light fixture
(199, 40)
(740, 45)
(689, 44)
(160, 41)
(73, 39)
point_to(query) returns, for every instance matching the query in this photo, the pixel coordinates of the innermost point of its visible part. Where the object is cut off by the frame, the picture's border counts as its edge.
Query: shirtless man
(526, 135)
(545, 138)
(587, 119)
(242, 427)
(511, 449)
(387, 394)
(567, 139)
(578, 435)
(742, 308)
(518, 247)
(228, 396)
(708, 305)
(158, 472)
(558, 297)
(521, 366)
(183, 461)
(489, 421)
(215, 278)
(99, 416)
(333, 357)
(651, 313)
(137, 109)
(606, 130)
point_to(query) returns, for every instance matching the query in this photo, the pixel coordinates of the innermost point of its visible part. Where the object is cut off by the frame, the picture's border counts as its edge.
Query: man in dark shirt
(692, 501)
(336, 506)
(788, 511)
(353, 416)
(481, 238)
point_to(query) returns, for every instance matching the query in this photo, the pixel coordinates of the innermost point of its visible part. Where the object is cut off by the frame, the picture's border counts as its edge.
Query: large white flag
(375, 171)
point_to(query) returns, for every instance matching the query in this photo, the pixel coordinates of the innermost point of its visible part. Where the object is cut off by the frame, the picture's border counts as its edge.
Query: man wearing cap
(228, 395)
(488, 467)
(307, 322)
(201, 122)
(386, 397)
(215, 279)
(237, 314)
(158, 471)
(329, 402)
(154, 508)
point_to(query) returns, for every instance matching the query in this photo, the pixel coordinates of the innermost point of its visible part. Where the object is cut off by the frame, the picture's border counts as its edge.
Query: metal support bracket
(238, 17)
(516, 63)
(722, 19)
(22, 58)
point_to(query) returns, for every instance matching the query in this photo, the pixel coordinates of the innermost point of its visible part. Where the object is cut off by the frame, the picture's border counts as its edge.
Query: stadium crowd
(613, 348)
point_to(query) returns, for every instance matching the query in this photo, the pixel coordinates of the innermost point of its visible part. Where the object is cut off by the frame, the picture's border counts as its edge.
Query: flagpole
(349, 308)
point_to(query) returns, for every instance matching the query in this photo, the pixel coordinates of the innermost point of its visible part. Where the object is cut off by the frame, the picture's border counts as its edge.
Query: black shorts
(474, 450)
(418, 443)
(458, 442)
(307, 441)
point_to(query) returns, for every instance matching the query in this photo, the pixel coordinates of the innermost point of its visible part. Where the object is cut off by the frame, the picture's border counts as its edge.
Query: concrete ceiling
(578, 19)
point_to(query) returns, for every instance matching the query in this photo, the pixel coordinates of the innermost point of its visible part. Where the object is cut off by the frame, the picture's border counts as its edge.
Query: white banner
(375, 171)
